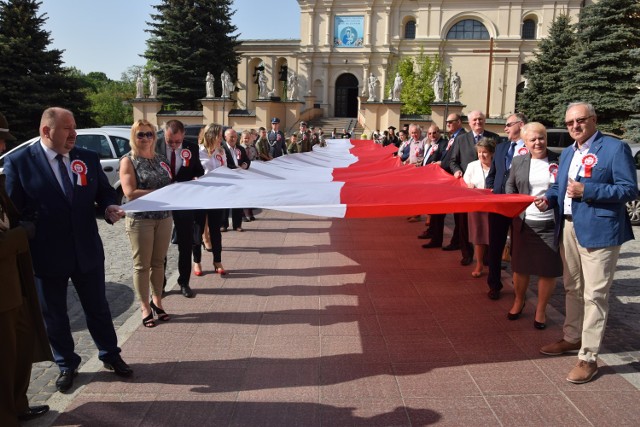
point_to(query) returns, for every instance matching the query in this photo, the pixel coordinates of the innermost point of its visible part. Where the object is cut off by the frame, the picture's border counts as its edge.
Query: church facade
(343, 43)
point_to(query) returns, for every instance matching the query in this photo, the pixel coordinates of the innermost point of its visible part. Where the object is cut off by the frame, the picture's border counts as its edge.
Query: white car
(109, 143)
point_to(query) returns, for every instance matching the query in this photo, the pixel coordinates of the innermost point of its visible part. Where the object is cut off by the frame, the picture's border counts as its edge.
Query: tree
(602, 69)
(417, 74)
(544, 82)
(31, 76)
(188, 39)
(632, 126)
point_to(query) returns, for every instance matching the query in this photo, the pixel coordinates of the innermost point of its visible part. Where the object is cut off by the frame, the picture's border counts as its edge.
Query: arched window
(469, 29)
(529, 29)
(410, 30)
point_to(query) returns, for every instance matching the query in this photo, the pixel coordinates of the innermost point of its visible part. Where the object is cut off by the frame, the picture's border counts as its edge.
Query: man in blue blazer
(496, 180)
(596, 177)
(56, 185)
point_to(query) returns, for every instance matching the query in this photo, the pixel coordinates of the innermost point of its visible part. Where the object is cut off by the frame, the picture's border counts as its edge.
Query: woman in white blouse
(534, 251)
(212, 156)
(475, 176)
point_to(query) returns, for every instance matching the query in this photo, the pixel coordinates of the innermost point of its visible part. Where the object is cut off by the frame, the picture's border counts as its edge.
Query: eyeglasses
(508, 125)
(451, 121)
(141, 135)
(578, 121)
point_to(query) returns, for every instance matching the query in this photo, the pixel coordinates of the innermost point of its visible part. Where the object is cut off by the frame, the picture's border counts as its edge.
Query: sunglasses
(578, 121)
(141, 135)
(508, 125)
(452, 121)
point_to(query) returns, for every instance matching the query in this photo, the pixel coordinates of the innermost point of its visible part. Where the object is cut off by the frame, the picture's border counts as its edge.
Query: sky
(109, 36)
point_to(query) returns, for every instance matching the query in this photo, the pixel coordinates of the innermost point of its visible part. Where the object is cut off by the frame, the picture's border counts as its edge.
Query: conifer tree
(601, 70)
(188, 39)
(31, 75)
(544, 73)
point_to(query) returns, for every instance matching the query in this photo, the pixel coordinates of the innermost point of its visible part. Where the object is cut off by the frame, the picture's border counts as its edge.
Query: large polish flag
(345, 179)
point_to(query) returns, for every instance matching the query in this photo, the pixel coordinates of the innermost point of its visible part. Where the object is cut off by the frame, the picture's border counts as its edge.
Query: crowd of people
(574, 228)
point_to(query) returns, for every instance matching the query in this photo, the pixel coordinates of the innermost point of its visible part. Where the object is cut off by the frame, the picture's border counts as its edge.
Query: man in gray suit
(464, 152)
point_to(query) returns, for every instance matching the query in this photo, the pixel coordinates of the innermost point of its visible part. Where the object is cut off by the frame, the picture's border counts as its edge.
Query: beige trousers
(149, 244)
(588, 274)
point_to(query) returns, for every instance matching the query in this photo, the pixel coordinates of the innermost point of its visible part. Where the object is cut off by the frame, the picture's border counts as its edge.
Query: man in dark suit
(496, 180)
(22, 332)
(436, 225)
(596, 178)
(464, 152)
(236, 158)
(184, 160)
(435, 146)
(57, 185)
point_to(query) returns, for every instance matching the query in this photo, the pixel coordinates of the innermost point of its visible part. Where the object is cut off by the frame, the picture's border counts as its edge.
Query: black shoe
(119, 367)
(539, 325)
(33, 412)
(431, 245)
(515, 316)
(425, 235)
(494, 294)
(186, 291)
(451, 247)
(252, 218)
(65, 380)
(466, 260)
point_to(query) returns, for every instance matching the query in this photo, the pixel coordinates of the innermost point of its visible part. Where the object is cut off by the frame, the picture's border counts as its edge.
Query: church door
(346, 102)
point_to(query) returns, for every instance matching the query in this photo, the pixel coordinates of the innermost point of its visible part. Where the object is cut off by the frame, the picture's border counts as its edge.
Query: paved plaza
(342, 322)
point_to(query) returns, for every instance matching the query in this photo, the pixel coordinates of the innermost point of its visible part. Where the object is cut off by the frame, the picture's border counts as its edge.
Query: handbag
(197, 235)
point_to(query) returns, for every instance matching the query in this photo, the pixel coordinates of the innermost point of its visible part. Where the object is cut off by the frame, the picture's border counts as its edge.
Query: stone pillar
(146, 109)
(216, 110)
(440, 111)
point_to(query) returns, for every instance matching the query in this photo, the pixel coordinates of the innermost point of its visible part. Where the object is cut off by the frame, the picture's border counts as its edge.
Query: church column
(367, 26)
(328, 40)
(387, 23)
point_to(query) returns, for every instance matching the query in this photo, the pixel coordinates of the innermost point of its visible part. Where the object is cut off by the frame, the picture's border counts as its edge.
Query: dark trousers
(462, 225)
(436, 228)
(17, 338)
(214, 219)
(183, 222)
(498, 231)
(236, 218)
(52, 292)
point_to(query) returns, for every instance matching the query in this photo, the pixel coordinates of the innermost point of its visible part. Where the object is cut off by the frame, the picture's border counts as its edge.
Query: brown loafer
(560, 347)
(583, 372)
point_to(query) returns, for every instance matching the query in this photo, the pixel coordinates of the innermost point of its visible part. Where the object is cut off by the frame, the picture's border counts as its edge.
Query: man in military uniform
(304, 138)
(315, 136)
(276, 140)
(294, 145)
(262, 145)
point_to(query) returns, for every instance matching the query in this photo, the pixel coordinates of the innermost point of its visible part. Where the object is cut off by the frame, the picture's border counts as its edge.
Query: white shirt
(179, 159)
(476, 174)
(539, 182)
(576, 167)
(51, 157)
(210, 162)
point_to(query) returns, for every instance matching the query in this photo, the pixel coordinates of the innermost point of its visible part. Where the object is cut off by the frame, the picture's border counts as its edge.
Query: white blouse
(210, 162)
(539, 181)
(476, 174)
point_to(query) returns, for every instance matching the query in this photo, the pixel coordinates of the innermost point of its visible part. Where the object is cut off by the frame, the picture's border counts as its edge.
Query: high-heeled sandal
(476, 274)
(197, 272)
(162, 315)
(148, 321)
(219, 269)
(206, 248)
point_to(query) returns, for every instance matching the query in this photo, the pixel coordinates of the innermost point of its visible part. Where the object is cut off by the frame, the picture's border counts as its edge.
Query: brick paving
(343, 322)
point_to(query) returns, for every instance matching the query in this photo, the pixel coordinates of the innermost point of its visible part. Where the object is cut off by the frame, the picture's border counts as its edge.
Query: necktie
(67, 186)
(478, 137)
(510, 155)
(173, 163)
